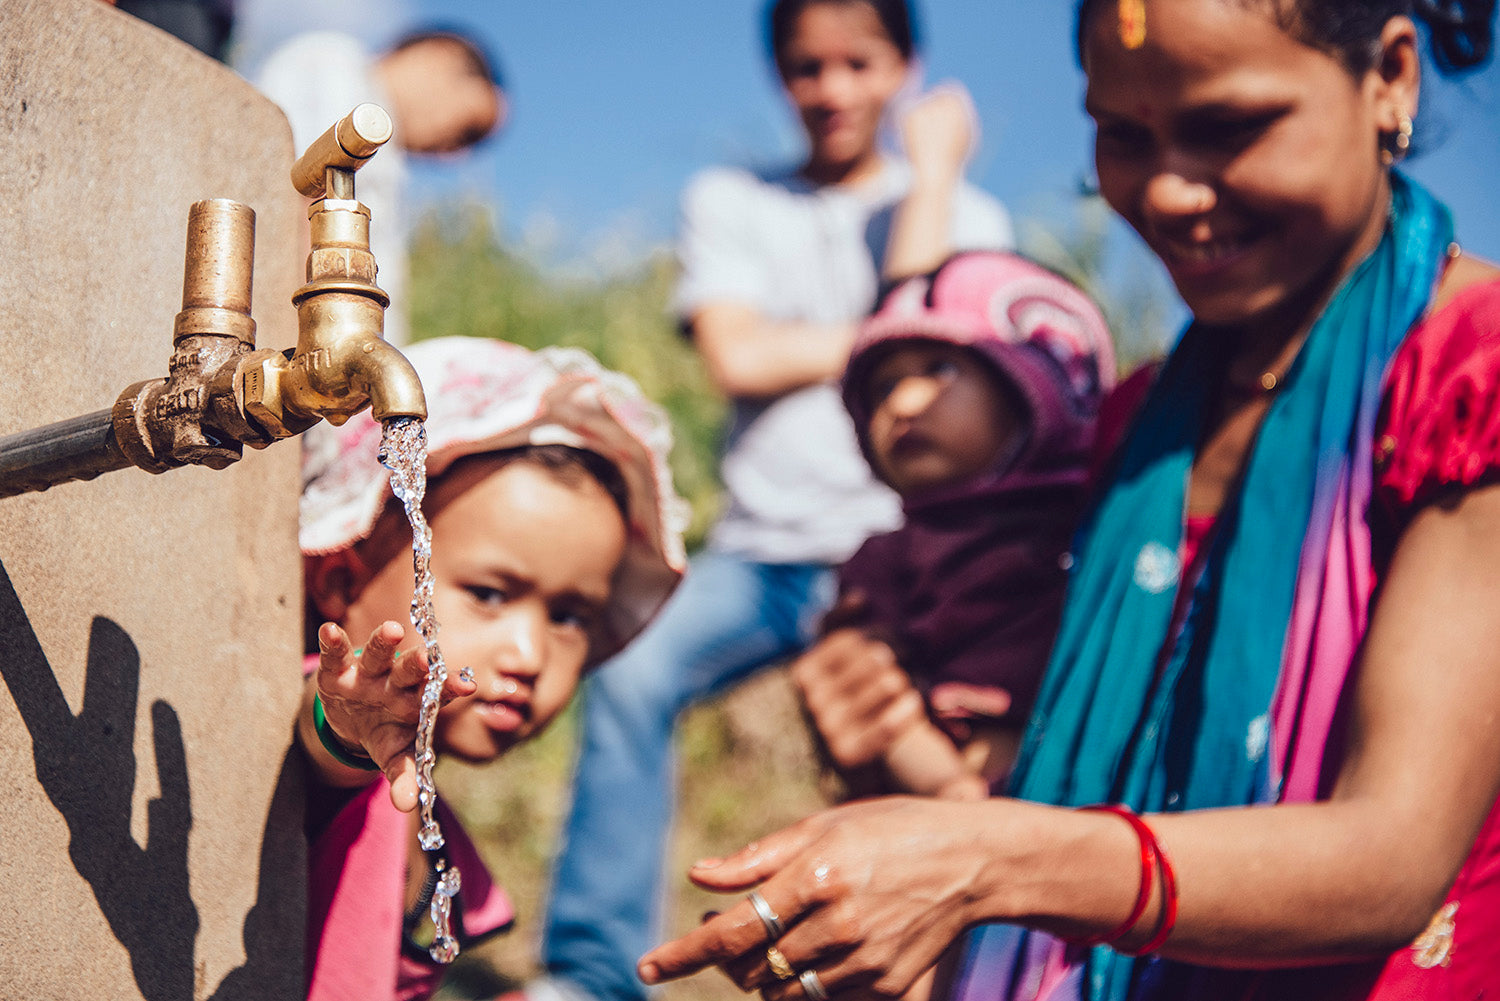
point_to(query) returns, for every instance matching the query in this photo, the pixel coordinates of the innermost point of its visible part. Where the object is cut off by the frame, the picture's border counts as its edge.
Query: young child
(555, 538)
(974, 391)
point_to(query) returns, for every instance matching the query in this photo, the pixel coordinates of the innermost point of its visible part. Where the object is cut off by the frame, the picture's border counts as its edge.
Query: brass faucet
(221, 393)
(342, 363)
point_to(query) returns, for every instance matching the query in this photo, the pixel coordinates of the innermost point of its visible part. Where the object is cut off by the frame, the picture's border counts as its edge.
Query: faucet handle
(345, 147)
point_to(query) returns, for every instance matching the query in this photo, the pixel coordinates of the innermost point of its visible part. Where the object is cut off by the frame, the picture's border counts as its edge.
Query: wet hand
(372, 698)
(857, 695)
(870, 895)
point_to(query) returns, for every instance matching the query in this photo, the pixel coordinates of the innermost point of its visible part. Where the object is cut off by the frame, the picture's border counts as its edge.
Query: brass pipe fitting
(347, 145)
(187, 417)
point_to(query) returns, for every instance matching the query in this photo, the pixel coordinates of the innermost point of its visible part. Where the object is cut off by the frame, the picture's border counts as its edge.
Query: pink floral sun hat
(485, 395)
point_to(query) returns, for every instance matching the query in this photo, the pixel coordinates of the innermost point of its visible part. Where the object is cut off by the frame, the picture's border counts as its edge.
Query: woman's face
(840, 69)
(937, 417)
(523, 564)
(1247, 160)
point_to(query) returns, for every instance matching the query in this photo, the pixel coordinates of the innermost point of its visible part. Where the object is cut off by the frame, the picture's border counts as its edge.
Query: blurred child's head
(841, 62)
(447, 90)
(546, 555)
(987, 366)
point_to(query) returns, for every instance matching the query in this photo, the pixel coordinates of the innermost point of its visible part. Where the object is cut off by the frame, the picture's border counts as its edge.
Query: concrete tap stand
(150, 810)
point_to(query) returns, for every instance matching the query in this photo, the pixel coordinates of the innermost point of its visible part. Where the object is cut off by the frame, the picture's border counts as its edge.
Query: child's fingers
(410, 668)
(959, 698)
(380, 652)
(334, 649)
(401, 772)
(456, 688)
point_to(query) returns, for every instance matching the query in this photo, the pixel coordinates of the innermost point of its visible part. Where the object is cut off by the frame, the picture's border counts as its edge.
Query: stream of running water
(403, 450)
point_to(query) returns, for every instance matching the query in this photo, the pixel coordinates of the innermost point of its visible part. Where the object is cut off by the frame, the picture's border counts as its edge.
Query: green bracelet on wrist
(336, 747)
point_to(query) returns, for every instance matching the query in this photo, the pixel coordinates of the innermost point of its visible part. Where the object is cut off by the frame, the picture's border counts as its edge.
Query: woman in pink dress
(1265, 759)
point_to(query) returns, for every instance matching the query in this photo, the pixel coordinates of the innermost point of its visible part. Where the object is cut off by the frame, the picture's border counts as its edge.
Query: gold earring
(1400, 142)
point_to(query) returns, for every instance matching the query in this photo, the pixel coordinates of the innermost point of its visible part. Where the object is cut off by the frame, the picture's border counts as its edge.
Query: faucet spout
(394, 389)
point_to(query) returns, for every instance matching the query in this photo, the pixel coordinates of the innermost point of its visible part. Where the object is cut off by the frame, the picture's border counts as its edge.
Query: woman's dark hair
(895, 16)
(1462, 32)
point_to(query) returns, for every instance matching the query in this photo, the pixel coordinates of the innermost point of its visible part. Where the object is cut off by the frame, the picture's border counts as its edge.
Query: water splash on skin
(403, 450)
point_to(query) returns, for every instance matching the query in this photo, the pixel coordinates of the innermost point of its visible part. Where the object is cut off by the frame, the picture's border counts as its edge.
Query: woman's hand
(371, 701)
(858, 697)
(870, 893)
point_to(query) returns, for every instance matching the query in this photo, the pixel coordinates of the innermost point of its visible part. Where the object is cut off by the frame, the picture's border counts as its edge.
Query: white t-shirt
(317, 78)
(798, 489)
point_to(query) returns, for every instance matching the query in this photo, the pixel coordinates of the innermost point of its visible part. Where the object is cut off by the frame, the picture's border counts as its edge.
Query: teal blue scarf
(1107, 726)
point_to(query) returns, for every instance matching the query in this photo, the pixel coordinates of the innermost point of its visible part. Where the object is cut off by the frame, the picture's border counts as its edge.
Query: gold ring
(779, 964)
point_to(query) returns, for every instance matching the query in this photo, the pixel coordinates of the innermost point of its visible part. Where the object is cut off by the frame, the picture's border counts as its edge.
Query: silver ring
(774, 928)
(812, 986)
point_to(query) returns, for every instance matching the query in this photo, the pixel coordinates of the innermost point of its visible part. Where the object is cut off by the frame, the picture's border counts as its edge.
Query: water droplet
(444, 948)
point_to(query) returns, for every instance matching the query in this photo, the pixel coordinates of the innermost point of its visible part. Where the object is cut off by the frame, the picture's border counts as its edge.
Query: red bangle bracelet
(1150, 851)
(1168, 897)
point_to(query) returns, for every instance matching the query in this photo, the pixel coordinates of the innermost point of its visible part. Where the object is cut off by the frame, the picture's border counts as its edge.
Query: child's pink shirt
(356, 890)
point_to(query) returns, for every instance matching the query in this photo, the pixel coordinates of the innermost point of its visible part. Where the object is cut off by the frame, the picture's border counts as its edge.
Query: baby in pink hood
(975, 392)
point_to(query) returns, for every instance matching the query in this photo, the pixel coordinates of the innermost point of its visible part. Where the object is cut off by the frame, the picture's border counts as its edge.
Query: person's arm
(750, 356)
(925, 762)
(938, 135)
(371, 699)
(725, 247)
(1356, 876)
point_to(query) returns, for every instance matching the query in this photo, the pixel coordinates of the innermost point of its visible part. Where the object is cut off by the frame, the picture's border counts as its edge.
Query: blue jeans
(728, 618)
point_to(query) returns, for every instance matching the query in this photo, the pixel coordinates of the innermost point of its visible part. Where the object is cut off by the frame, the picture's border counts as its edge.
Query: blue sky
(616, 104)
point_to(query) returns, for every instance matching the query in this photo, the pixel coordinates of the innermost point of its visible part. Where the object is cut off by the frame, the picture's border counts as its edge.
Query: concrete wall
(150, 817)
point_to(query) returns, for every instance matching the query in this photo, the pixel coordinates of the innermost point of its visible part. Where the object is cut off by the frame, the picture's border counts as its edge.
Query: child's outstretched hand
(371, 700)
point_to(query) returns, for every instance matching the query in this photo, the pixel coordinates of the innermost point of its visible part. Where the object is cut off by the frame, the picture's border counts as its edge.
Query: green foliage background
(464, 282)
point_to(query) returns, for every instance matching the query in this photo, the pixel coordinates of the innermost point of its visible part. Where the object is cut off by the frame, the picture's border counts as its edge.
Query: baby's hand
(372, 698)
(859, 698)
(940, 131)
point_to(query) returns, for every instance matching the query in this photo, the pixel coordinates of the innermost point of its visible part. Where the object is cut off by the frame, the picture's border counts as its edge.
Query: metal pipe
(80, 448)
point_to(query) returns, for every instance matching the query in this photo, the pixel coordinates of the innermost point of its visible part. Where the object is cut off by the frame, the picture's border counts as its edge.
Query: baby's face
(937, 416)
(523, 565)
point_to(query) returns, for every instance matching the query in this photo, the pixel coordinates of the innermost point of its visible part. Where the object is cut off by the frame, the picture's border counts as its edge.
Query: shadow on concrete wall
(86, 764)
